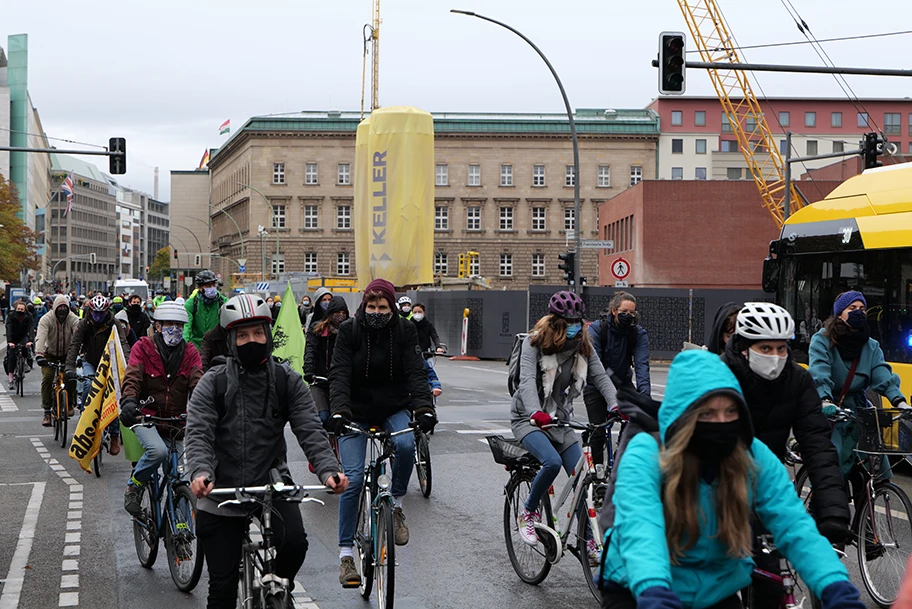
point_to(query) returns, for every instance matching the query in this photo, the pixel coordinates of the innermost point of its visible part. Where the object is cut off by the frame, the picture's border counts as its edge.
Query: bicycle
(19, 372)
(374, 536)
(881, 527)
(176, 521)
(585, 491)
(258, 585)
(422, 446)
(785, 579)
(60, 412)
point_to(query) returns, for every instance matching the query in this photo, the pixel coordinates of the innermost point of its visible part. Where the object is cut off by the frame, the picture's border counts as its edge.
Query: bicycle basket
(509, 452)
(881, 430)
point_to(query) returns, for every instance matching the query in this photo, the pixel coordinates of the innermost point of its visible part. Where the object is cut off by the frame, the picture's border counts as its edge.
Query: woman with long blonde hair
(681, 536)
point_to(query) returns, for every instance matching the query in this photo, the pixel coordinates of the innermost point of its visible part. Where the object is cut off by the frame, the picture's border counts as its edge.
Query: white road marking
(68, 599)
(486, 370)
(484, 431)
(70, 564)
(7, 404)
(300, 598)
(15, 577)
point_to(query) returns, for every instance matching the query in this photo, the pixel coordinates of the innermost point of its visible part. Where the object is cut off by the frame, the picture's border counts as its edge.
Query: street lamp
(576, 172)
(233, 221)
(263, 233)
(276, 227)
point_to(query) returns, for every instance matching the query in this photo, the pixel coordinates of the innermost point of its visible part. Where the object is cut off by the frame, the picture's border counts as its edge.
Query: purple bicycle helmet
(567, 305)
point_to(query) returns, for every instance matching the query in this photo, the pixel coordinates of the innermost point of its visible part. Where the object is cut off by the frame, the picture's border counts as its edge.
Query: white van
(131, 286)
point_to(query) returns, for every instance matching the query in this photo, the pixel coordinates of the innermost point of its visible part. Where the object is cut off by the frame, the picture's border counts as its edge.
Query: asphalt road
(66, 541)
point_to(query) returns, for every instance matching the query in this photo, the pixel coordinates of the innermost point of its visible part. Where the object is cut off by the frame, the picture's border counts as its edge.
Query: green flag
(288, 335)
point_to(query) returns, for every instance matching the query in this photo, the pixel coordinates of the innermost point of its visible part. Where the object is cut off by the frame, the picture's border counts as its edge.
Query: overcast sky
(165, 74)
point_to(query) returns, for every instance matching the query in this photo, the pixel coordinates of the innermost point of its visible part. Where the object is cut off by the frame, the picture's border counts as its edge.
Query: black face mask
(253, 354)
(136, 308)
(714, 441)
(20, 314)
(61, 314)
(625, 320)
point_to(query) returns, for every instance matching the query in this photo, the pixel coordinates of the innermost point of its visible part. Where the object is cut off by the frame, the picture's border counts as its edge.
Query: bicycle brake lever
(232, 502)
(308, 499)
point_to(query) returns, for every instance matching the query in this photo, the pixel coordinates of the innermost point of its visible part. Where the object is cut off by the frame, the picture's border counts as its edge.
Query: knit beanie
(386, 289)
(846, 299)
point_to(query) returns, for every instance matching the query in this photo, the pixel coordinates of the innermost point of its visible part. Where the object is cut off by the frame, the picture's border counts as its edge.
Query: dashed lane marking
(486, 370)
(12, 585)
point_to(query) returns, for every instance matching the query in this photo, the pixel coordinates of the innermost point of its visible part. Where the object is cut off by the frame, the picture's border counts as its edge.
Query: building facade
(697, 142)
(156, 230)
(189, 229)
(503, 188)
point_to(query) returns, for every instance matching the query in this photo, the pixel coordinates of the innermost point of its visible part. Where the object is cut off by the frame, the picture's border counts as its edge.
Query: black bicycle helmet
(204, 277)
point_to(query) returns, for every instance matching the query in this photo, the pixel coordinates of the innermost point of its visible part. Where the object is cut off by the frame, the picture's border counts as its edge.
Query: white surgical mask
(417, 316)
(767, 367)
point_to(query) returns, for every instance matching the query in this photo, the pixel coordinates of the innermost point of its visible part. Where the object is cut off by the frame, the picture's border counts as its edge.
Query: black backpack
(221, 387)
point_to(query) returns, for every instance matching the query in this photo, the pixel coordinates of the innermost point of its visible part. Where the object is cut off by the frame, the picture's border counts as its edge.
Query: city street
(66, 541)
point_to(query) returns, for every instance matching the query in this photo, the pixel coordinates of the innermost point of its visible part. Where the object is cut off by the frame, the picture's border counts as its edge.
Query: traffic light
(568, 266)
(671, 63)
(117, 163)
(175, 255)
(92, 257)
(198, 260)
(871, 148)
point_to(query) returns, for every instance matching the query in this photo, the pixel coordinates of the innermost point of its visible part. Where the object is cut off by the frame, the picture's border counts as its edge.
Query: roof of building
(835, 100)
(65, 162)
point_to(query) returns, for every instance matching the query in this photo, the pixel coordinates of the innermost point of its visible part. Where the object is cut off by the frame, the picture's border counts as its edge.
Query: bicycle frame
(164, 488)
(785, 579)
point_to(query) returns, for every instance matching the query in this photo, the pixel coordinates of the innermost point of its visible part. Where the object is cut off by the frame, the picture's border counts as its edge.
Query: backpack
(513, 362)
(281, 382)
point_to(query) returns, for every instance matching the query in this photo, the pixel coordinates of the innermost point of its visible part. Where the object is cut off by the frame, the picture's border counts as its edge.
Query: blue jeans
(352, 448)
(155, 455)
(540, 446)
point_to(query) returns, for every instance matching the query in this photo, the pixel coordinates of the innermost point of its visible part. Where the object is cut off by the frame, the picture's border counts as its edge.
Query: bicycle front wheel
(145, 535)
(588, 544)
(185, 558)
(97, 459)
(423, 463)
(530, 562)
(803, 487)
(884, 542)
(364, 540)
(385, 570)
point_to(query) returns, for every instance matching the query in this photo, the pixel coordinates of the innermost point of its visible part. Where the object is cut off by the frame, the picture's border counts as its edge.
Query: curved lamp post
(271, 215)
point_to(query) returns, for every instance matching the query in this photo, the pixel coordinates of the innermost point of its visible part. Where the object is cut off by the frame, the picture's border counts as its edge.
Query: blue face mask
(210, 293)
(573, 330)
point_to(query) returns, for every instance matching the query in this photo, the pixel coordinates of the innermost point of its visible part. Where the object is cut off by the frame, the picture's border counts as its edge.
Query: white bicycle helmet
(99, 303)
(404, 300)
(764, 321)
(244, 309)
(171, 311)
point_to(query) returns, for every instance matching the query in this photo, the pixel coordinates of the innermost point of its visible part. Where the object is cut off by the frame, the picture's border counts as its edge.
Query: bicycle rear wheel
(185, 558)
(385, 571)
(364, 557)
(20, 375)
(530, 562)
(145, 535)
(58, 423)
(884, 548)
(97, 459)
(423, 463)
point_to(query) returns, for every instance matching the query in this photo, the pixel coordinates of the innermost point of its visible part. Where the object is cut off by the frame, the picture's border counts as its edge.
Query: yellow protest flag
(101, 403)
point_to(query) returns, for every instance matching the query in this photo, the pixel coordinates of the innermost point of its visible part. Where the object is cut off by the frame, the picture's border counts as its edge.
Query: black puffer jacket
(319, 349)
(791, 403)
(376, 373)
(427, 334)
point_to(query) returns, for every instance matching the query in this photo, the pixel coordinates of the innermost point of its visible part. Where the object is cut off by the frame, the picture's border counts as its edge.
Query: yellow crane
(372, 47)
(711, 35)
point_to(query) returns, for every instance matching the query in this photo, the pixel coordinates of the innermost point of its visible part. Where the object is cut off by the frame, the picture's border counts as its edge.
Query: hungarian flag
(205, 160)
(225, 127)
(288, 335)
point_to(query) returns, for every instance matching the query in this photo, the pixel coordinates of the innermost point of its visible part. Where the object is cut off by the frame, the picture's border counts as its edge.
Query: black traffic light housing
(871, 148)
(117, 161)
(671, 63)
(568, 266)
(175, 254)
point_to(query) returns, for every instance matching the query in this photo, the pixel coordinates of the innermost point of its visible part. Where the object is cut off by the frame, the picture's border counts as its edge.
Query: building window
(783, 147)
(569, 176)
(344, 174)
(677, 146)
(728, 146)
(440, 263)
(910, 124)
(812, 147)
(785, 119)
(343, 264)
(862, 120)
(677, 173)
(474, 266)
(699, 118)
(836, 119)
(506, 175)
(838, 146)
(278, 216)
(700, 146)
(750, 124)
(734, 173)
(569, 218)
(474, 175)
(506, 265)
(538, 265)
(539, 215)
(278, 264)
(441, 217)
(506, 218)
(892, 122)
(636, 174)
(604, 176)
(473, 218)
(278, 173)
(310, 173)
(311, 216)
(677, 118)
(727, 121)
(700, 173)
(810, 119)
(344, 217)
(538, 175)
(910, 147)
(310, 263)
(441, 175)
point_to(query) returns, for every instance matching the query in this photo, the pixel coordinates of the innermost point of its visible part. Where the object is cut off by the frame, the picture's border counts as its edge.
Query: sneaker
(593, 552)
(47, 421)
(133, 499)
(526, 523)
(401, 530)
(114, 449)
(348, 575)
(12, 385)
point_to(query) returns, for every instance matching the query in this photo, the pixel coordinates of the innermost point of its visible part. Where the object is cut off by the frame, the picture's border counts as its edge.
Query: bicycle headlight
(384, 482)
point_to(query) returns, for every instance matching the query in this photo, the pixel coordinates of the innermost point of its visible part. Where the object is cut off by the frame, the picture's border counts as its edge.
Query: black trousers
(597, 411)
(620, 598)
(221, 537)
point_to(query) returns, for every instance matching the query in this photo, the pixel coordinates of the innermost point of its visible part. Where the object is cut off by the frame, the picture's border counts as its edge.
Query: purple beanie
(386, 289)
(846, 299)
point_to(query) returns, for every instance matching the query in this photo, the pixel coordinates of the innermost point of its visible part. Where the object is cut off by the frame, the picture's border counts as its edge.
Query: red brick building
(691, 233)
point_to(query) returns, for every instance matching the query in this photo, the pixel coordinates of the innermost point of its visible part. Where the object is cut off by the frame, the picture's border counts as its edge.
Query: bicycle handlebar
(613, 416)
(381, 434)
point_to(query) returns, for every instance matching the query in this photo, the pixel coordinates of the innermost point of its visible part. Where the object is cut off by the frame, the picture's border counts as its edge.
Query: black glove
(130, 413)
(426, 419)
(338, 420)
(835, 530)
(309, 379)
(41, 360)
(71, 375)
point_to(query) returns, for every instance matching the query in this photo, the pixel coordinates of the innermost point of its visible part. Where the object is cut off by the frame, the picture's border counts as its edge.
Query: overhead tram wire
(56, 139)
(800, 42)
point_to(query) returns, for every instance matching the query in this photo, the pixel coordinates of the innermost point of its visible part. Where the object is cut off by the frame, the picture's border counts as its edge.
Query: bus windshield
(809, 283)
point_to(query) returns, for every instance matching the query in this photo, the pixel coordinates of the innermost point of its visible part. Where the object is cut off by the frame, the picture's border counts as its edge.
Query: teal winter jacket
(637, 551)
(829, 371)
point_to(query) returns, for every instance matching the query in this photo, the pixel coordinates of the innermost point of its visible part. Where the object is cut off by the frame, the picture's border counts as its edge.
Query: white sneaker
(526, 522)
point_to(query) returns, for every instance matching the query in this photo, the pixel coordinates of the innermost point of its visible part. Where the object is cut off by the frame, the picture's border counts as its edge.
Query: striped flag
(225, 127)
(68, 187)
(205, 160)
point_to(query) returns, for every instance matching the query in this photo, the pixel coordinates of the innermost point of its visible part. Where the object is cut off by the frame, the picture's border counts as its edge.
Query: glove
(829, 408)
(662, 598)
(541, 419)
(426, 419)
(841, 595)
(902, 404)
(42, 361)
(338, 420)
(309, 379)
(71, 375)
(130, 414)
(836, 531)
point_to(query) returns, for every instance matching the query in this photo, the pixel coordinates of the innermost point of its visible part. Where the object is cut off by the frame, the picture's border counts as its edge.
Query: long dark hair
(550, 335)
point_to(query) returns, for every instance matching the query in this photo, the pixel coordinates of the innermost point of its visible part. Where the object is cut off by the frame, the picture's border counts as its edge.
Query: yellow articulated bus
(860, 238)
